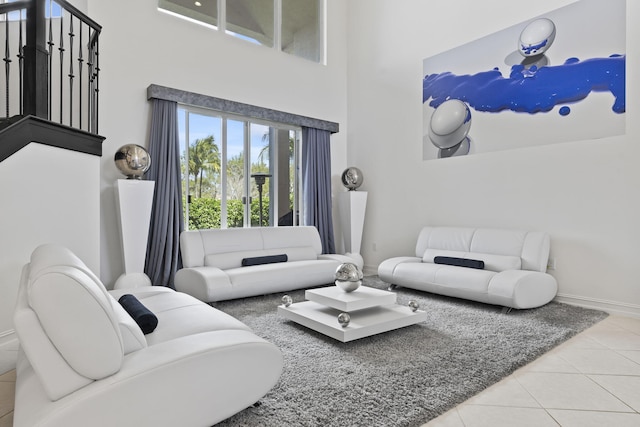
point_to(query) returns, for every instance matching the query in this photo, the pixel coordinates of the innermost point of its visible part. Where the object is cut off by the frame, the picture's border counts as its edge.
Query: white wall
(584, 193)
(49, 196)
(140, 46)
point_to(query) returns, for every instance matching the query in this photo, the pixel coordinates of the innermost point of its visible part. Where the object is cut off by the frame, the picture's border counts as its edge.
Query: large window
(238, 172)
(292, 26)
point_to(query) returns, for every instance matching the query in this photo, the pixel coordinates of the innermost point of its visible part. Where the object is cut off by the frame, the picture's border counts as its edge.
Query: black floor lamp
(260, 179)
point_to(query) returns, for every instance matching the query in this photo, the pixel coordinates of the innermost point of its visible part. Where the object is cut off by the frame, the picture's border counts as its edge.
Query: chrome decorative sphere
(352, 178)
(132, 160)
(287, 300)
(413, 305)
(348, 277)
(450, 124)
(344, 319)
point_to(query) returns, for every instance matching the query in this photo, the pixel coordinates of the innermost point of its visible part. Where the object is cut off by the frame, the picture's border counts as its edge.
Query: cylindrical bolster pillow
(459, 262)
(268, 259)
(138, 312)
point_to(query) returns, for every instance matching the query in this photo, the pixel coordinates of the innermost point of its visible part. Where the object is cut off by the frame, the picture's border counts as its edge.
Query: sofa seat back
(226, 248)
(69, 327)
(499, 249)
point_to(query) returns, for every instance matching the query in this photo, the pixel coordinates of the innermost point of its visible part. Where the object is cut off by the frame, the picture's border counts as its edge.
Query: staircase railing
(51, 63)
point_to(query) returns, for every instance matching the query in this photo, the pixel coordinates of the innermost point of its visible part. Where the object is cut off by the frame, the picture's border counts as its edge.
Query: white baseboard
(370, 270)
(8, 338)
(611, 307)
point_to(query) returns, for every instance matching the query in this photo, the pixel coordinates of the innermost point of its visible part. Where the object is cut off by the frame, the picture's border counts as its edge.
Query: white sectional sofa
(213, 262)
(513, 262)
(84, 361)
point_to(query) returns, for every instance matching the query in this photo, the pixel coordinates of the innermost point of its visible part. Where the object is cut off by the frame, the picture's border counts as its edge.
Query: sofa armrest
(209, 376)
(204, 283)
(523, 288)
(140, 292)
(387, 267)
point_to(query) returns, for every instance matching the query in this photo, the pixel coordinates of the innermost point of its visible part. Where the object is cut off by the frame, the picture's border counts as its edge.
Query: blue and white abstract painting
(557, 77)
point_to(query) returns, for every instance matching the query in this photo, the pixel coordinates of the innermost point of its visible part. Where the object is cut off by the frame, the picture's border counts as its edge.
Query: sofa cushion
(181, 315)
(266, 279)
(266, 259)
(431, 277)
(78, 318)
(292, 237)
(447, 238)
(459, 262)
(498, 242)
(225, 261)
(491, 262)
(139, 313)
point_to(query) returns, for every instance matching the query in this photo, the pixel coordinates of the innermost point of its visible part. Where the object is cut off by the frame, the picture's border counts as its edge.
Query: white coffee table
(372, 311)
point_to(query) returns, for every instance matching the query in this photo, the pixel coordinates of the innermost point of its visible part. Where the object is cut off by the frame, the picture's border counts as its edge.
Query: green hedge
(205, 213)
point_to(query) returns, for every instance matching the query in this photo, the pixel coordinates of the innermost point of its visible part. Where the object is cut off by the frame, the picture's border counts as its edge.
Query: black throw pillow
(267, 259)
(138, 312)
(459, 262)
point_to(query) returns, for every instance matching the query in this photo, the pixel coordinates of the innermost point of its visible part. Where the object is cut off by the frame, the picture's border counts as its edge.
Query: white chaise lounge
(503, 267)
(84, 361)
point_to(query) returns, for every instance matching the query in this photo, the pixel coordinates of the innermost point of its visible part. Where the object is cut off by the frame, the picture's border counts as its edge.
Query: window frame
(274, 165)
(167, 6)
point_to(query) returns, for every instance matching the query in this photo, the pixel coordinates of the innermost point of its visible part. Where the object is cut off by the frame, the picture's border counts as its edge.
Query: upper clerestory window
(292, 26)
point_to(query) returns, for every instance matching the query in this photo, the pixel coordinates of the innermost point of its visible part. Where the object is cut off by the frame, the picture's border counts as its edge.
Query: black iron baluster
(90, 60)
(61, 50)
(7, 60)
(51, 44)
(97, 87)
(71, 76)
(80, 61)
(20, 63)
(33, 49)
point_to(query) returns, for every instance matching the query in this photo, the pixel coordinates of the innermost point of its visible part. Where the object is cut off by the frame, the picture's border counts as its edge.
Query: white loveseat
(213, 262)
(84, 361)
(513, 274)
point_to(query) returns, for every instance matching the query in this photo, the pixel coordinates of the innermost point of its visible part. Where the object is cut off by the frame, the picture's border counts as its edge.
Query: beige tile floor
(591, 380)
(8, 355)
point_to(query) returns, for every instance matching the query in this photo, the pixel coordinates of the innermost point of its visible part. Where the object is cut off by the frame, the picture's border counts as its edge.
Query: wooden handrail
(78, 14)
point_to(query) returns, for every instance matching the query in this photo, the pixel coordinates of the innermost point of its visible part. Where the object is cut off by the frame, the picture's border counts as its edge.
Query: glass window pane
(301, 33)
(251, 20)
(235, 186)
(203, 162)
(186, 200)
(261, 175)
(202, 10)
(286, 178)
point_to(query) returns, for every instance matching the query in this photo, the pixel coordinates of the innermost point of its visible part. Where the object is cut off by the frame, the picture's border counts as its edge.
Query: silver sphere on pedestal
(132, 160)
(348, 277)
(352, 178)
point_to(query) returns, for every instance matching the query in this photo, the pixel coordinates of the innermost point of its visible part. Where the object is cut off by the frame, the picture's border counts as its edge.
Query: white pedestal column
(134, 199)
(352, 206)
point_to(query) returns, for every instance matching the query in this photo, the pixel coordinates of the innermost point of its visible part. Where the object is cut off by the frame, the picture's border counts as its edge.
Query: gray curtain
(163, 249)
(316, 171)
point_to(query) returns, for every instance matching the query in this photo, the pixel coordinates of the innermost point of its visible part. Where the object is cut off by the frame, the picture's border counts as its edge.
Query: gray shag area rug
(404, 377)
